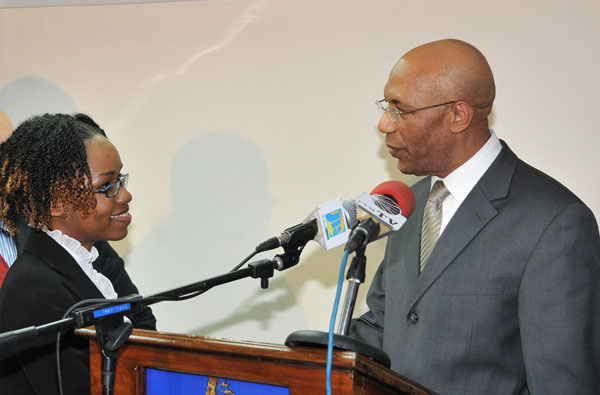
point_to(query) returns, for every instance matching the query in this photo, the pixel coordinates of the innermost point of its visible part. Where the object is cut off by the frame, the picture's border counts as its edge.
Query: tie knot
(438, 193)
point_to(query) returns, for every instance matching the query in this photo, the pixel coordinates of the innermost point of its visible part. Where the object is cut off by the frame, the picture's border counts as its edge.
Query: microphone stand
(355, 277)
(111, 334)
(310, 338)
(111, 331)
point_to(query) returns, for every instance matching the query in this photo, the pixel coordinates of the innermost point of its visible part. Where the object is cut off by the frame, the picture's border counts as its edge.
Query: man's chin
(405, 169)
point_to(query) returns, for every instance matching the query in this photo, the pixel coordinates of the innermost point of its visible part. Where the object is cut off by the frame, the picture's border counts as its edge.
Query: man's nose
(386, 125)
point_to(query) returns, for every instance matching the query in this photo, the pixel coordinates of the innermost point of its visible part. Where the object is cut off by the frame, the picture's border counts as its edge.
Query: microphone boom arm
(100, 312)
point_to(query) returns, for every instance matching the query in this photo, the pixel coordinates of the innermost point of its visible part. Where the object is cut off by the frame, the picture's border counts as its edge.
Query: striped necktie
(432, 220)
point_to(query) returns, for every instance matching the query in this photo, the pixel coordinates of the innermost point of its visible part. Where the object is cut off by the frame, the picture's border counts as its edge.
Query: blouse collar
(84, 259)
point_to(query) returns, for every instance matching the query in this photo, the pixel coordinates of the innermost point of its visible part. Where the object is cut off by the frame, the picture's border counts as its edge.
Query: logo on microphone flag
(333, 226)
(335, 223)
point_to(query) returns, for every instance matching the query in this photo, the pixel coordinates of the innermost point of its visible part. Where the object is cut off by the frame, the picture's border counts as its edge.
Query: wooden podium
(295, 371)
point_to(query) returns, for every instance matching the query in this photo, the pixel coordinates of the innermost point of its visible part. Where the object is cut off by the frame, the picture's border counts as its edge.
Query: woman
(63, 177)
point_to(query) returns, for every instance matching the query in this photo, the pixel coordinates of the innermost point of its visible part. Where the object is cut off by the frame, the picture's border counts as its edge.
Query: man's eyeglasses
(394, 114)
(113, 189)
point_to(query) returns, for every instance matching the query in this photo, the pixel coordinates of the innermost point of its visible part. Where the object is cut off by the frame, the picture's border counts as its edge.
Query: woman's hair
(44, 164)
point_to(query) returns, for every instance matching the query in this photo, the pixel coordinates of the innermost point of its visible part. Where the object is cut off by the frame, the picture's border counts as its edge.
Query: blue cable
(332, 322)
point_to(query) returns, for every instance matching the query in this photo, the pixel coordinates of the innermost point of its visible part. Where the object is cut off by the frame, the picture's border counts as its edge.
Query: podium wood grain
(301, 369)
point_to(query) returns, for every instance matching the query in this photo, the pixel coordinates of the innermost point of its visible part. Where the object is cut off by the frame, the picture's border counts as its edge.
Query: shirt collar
(462, 180)
(4, 230)
(84, 259)
(82, 256)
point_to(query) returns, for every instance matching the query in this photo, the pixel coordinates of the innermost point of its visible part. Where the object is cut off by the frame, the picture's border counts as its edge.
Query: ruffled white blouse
(84, 259)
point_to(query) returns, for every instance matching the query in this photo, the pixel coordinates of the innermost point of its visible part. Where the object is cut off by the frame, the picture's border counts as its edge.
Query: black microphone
(364, 233)
(312, 229)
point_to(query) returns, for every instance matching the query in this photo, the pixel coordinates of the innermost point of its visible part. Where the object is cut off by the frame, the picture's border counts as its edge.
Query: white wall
(236, 118)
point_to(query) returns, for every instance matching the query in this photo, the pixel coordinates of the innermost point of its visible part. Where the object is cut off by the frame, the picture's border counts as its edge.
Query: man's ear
(462, 116)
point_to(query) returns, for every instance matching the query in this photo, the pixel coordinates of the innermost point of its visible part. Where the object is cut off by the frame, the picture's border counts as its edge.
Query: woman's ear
(58, 209)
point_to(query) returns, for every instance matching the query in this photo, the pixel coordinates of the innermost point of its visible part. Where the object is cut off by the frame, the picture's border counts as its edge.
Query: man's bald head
(443, 92)
(6, 127)
(451, 70)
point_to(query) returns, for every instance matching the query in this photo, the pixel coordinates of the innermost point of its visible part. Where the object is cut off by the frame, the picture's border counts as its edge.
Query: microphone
(331, 223)
(328, 225)
(389, 204)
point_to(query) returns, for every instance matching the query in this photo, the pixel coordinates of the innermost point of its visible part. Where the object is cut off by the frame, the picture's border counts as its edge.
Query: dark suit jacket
(41, 285)
(509, 301)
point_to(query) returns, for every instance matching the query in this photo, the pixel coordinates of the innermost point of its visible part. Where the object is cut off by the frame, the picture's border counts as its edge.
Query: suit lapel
(475, 212)
(59, 260)
(472, 216)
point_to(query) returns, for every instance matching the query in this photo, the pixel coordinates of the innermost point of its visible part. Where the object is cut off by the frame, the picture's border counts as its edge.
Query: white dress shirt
(462, 180)
(8, 249)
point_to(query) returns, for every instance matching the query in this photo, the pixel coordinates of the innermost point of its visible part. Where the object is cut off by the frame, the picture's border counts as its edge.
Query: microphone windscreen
(400, 192)
(350, 212)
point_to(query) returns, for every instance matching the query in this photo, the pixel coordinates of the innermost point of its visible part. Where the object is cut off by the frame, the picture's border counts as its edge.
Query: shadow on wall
(28, 96)
(220, 212)
(322, 266)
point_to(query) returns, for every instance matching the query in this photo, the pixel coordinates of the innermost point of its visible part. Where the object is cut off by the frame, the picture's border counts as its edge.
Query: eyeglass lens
(116, 187)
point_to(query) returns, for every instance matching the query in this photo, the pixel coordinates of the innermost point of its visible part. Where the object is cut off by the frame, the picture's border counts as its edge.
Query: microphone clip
(362, 234)
(293, 241)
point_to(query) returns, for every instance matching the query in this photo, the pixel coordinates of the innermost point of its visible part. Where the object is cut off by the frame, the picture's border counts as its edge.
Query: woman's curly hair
(42, 165)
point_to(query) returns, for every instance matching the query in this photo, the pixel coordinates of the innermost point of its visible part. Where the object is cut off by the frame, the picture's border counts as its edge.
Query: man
(507, 299)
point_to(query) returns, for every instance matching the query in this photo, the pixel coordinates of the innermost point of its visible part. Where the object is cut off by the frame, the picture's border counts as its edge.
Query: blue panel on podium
(161, 382)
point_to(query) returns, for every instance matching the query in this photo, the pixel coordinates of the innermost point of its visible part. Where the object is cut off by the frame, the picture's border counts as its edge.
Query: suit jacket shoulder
(41, 285)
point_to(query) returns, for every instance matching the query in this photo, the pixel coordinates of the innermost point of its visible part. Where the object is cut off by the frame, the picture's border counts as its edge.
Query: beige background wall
(236, 118)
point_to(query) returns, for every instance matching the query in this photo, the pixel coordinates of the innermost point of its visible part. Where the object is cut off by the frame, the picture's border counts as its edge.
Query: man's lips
(394, 151)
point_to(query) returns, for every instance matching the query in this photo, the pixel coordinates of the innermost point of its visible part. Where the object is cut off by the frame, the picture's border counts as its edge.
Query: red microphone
(384, 210)
(400, 193)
